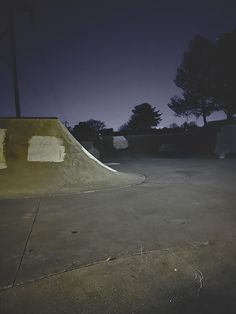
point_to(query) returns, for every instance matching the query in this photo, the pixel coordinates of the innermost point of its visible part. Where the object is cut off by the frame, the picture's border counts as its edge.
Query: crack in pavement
(197, 273)
(26, 244)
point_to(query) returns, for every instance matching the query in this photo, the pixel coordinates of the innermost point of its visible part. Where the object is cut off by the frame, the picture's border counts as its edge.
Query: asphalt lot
(166, 245)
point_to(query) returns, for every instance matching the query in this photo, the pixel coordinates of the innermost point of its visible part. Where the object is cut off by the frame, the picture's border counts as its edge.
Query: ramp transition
(39, 157)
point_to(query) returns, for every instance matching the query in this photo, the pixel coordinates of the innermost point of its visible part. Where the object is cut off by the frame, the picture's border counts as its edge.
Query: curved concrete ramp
(40, 156)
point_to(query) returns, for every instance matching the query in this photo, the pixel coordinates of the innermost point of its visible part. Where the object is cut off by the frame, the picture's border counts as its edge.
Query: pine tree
(144, 117)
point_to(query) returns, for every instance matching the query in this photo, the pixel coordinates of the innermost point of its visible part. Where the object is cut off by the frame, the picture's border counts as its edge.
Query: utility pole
(13, 64)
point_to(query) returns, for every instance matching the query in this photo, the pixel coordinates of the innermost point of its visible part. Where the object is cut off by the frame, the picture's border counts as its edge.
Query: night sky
(99, 59)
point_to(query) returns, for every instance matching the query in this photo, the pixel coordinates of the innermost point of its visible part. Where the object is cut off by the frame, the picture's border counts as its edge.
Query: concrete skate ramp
(40, 156)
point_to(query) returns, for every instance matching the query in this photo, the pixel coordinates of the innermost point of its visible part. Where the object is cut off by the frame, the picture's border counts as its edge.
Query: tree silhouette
(96, 125)
(173, 125)
(181, 106)
(123, 127)
(144, 117)
(224, 73)
(88, 130)
(194, 78)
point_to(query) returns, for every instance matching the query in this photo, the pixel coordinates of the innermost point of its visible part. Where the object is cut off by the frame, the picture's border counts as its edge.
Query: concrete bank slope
(40, 156)
(185, 280)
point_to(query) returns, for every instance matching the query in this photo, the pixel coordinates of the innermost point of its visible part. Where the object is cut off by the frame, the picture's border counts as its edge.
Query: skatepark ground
(166, 245)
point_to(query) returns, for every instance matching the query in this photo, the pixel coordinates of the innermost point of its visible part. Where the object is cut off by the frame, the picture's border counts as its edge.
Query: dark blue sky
(99, 59)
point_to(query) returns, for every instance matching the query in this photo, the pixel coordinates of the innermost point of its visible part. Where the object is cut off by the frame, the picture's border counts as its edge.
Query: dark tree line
(207, 78)
(144, 117)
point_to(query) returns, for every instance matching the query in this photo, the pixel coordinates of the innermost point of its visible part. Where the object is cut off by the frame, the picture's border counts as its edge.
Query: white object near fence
(120, 142)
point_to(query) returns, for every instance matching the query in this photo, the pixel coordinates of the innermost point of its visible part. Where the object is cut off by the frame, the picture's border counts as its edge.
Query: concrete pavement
(196, 279)
(182, 217)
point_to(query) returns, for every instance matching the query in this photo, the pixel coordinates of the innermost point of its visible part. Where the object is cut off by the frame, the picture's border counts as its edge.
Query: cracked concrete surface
(187, 205)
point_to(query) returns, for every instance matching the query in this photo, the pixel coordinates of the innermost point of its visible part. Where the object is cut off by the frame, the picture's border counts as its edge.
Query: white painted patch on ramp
(46, 149)
(3, 164)
(97, 161)
(120, 142)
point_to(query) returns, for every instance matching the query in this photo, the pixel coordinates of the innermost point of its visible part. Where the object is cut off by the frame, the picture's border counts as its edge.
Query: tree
(88, 130)
(194, 78)
(224, 73)
(191, 104)
(96, 125)
(144, 117)
(190, 125)
(123, 127)
(107, 131)
(173, 125)
(181, 106)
